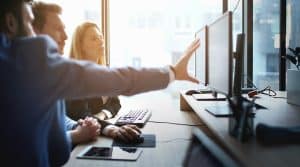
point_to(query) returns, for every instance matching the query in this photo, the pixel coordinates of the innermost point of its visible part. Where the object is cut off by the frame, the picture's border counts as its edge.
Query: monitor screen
(220, 54)
(201, 56)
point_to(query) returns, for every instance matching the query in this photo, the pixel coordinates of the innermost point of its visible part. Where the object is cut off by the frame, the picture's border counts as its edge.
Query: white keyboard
(137, 117)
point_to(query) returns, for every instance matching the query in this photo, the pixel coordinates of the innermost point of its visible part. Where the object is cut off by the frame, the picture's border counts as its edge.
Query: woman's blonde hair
(76, 51)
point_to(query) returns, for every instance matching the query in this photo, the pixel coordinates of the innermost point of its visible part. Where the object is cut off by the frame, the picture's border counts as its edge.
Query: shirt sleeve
(70, 124)
(63, 78)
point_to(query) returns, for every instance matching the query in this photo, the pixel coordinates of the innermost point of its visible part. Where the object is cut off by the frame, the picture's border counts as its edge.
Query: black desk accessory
(149, 140)
(224, 110)
(241, 120)
(203, 151)
(275, 135)
(199, 91)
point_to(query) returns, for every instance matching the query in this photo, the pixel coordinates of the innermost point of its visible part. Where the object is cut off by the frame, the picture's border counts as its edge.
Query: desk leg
(184, 106)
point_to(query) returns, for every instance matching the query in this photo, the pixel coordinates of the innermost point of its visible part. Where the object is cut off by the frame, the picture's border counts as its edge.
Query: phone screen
(99, 151)
(116, 153)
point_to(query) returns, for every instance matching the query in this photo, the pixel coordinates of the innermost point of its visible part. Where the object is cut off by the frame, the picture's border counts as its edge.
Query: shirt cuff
(69, 138)
(70, 123)
(171, 74)
(107, 113)
(105, 130)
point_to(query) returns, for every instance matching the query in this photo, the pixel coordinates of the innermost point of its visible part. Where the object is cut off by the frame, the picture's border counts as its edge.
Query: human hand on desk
(88, 130)
(126, 133)
(180, 68)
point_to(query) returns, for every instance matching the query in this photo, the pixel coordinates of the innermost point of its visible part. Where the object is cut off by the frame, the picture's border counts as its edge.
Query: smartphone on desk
(110, 153)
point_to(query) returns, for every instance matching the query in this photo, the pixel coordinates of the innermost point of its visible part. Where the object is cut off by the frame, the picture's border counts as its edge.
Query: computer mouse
(138, 140)
(191, 92)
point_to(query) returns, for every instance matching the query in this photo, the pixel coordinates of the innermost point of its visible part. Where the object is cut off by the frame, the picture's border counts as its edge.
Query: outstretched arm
(64, 78)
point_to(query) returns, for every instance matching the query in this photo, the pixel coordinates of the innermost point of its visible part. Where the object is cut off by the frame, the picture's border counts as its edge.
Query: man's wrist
(109, 131)
(74, 136)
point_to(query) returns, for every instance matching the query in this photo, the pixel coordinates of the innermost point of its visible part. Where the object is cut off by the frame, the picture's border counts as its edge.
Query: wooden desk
(252, 153)
(172, 140)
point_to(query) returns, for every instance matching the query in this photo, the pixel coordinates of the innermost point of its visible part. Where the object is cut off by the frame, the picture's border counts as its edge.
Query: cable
(249, 81)
(279, 97)
(172, 140)
(174, 123)
(236, 6)
(268, 91)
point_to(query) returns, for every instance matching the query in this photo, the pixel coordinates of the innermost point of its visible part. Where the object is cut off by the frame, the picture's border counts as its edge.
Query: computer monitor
(220, 55)
(238, 65)
(201, 56)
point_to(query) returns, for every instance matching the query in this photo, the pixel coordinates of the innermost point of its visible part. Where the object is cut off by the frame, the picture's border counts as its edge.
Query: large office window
(266, 43)
(237, 23)
(154, 33)
(75, 12)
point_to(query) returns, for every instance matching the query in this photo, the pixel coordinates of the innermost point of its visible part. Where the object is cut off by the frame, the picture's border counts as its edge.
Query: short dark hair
(40, 9)
(10, 6)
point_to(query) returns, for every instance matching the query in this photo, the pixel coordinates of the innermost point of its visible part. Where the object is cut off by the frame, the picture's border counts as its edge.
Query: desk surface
(172, 140)
(252, 153)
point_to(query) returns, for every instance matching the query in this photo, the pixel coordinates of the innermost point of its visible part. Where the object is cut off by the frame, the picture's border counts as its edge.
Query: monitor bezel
(205, 29)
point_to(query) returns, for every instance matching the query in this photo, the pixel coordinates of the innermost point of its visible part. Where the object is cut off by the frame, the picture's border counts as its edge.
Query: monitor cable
(174, 123)
(173, 140)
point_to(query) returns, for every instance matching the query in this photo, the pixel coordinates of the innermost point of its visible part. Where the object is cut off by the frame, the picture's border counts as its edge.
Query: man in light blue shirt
(47, 21)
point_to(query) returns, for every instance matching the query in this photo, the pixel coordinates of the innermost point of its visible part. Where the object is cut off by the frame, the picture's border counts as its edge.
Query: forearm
(90, 80)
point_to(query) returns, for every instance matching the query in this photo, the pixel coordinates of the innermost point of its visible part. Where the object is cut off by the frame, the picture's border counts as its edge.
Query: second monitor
(220, 55)
(220, 63)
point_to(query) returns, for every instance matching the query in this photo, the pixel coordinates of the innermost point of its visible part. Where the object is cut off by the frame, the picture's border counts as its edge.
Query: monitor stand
(219, 110)
(209, 96)
(224, 110)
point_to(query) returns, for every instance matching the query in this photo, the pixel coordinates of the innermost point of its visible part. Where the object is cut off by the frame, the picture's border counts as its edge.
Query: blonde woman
(88, 44)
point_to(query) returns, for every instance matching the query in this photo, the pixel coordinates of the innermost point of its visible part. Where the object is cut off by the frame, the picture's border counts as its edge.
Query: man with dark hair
(15, 19)
(30, 136)
(34, 77)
